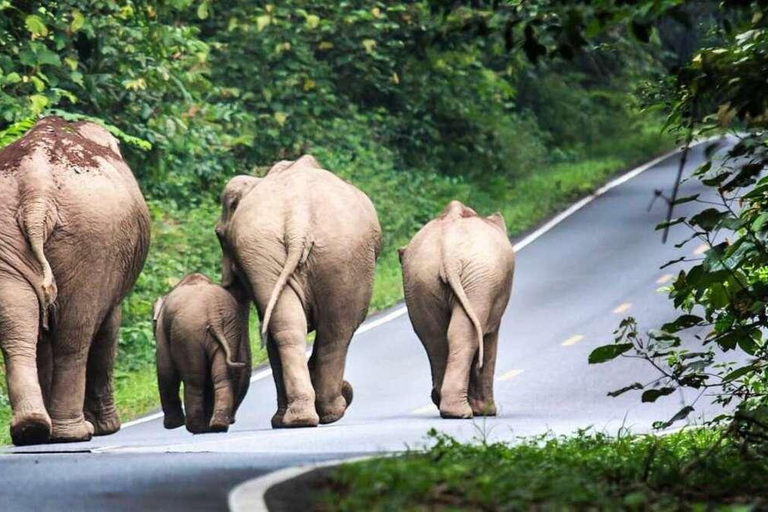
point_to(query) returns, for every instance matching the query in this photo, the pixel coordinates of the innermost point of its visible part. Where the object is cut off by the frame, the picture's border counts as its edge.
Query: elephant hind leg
(481, 380)
(100, 407)
(71, 345)
(288, 332)
(462, 350)
(196, 385)
(223, 396)
(329, 357)
(19, 320)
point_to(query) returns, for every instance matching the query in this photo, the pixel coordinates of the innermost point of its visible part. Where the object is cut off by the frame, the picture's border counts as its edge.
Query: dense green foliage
(414, 103)
(722, 297)
(690, 470)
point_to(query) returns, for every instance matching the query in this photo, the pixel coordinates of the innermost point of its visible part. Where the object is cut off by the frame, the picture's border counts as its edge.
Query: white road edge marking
(557, 219)
(249, 495)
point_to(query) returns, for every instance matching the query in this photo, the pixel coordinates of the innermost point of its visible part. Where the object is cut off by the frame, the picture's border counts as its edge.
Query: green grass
(689, 470)
(183, 240)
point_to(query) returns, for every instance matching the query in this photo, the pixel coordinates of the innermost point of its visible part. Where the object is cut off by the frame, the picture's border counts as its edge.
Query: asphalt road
(572, 286)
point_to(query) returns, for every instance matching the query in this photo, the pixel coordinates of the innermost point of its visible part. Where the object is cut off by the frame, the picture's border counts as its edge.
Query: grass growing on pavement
(689, 470)
(183, 240)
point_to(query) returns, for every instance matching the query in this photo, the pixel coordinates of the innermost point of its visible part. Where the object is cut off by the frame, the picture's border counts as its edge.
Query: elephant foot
(71, 431)
(458, 409)
(220, 422)
(103, 423)
(196, 426)
(483, 407)
(171, 421)
(30, 427)
(297, 415)
(347, 392)
(332, 411)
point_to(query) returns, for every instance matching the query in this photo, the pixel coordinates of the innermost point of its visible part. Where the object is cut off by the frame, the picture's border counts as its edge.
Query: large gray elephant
(201, 331)
(304, 243)
(457, 277)
(74, 234)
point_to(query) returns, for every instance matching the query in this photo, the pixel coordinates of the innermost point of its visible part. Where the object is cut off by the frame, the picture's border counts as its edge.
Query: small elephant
(457, 277)
(201, 330)
(74, 234)
(304, 243)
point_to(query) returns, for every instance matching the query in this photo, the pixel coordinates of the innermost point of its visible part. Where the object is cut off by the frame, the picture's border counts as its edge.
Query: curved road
(572, 286)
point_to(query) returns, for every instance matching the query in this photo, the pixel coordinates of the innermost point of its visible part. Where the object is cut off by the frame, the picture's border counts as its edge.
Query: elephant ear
(401, 252)
(498, 220)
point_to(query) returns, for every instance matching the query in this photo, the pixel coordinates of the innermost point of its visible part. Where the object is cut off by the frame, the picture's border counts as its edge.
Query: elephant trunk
(222, 340)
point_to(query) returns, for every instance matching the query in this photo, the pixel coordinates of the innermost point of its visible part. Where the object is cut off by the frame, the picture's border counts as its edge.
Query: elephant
(74, 234)
(304, 243)
(457, 279)
(200, 329)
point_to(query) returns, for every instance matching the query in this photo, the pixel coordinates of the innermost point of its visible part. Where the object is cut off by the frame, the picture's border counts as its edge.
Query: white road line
(425, 410)
(701, 249)
(622, 308)
(572, 340)
(511, 374)
(401, 310)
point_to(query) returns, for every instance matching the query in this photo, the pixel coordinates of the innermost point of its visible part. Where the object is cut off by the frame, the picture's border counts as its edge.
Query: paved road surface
(572, 286)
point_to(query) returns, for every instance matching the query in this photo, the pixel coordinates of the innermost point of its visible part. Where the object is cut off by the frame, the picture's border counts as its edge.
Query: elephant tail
(37, 219)
(297, 254)
(451, 276)
(222, 340)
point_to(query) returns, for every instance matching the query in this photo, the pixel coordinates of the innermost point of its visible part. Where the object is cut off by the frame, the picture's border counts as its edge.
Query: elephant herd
(300, 243)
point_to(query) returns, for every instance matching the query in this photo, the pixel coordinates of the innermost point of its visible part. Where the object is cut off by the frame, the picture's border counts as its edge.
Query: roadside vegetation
(689, 470)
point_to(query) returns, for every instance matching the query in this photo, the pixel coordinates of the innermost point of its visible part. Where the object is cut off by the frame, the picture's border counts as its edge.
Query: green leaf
(608, 352)
(666, 224)
(36, 26)
(202, 10)
(681, 415)
(78, 20)
(38, 102)
(39, 84)
(682, 322)
(623, 390)
(652, 395)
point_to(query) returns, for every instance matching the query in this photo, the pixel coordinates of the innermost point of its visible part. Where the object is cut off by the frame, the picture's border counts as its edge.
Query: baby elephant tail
(222, 340)
(451, 276)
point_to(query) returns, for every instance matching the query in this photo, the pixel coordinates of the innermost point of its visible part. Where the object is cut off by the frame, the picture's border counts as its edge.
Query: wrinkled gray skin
(457, 277)
(202, 340)
(304, 244)
(74, 234)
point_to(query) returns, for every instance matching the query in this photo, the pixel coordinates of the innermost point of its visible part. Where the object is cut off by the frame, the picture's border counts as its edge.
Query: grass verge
(183, 240)
(689, 470)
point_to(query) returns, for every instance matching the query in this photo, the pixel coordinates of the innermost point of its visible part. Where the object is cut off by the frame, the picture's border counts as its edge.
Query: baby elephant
(202, 339)
(457, 277)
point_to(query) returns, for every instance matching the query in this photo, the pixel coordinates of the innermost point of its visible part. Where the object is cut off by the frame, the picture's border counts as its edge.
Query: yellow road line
(572, 340)
(665, 279)
(701, 249)
(622, 308)
(425, 410)
(511, 374)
